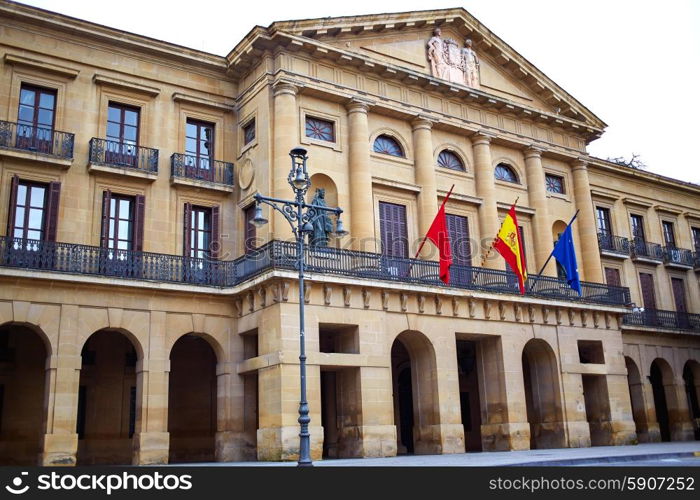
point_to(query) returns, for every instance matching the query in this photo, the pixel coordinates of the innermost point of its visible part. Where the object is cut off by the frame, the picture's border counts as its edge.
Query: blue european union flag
(565, 254)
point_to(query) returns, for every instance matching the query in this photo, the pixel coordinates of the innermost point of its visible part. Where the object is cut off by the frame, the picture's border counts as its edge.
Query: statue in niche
(322, 223)
(451, 62)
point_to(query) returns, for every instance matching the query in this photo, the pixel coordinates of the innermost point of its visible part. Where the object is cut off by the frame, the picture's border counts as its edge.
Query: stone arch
(542, 395)
(454, 150)
(394, 134)
(24, 351)
(662, 385)
(514, 165)
(214, 341)
(193, 400)
(107, 397)
(414, 376)
(639, 407)
(691, 382)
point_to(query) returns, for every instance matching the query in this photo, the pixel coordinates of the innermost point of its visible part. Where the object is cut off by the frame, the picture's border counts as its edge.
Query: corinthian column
(590, 258)
(361, 204)
(537, 193)
(486, 190)
(425, 175)
(285, 137)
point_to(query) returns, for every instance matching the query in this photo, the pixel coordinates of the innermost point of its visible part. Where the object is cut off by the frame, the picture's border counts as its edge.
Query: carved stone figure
(451, 62)
(322, 223)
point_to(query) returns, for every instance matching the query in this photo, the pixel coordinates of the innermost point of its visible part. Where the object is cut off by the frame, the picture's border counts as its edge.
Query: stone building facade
(143, 320)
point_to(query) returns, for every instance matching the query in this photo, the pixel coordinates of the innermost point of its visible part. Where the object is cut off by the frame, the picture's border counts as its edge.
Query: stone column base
(649, 433)
(682, 431)
(234, 447)
(151, 448)
(505, 437)
(579, 434)
(367, 441)
(282, 443)
(439, 439)
(623, 432)
(59, 449)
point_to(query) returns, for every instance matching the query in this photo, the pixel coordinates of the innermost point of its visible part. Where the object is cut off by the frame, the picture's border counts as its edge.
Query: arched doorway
(639, 412)
(661, 376)
(691, 379)
(192, 398)
(414, 378)
(542, 395)
(106, 419)
(23, 354)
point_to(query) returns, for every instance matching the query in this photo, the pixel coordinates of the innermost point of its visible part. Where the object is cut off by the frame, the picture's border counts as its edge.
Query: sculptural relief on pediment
(452, 62)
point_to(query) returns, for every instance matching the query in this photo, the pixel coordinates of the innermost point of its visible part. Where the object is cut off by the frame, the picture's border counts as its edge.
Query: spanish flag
(509, 244)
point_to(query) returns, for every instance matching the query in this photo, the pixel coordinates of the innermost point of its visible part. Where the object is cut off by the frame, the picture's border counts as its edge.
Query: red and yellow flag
(509, 244)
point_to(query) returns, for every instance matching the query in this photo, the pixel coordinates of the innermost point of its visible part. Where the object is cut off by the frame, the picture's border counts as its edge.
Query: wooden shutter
(139, 218)
(678, 286)
(393, 229)
(187, 231)
(104, 237)
(646, 282)
(612, 276)
(52, 210)
(458, 229)
(215, 244)
(14, 183)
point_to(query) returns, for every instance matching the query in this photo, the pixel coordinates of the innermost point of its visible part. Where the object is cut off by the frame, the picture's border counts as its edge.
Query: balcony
(647, 253)
(36, 143)
(613, 246)
(680, 258)
(657, 318)
(201, 172)
(125, 159)
(279, 255)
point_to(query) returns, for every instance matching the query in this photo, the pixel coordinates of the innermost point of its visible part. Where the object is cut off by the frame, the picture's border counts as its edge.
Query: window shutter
(187, 230)
(104, 237)
(458, 229)
(13, 206)
(139, 215)
(612, 276)
(52, 210)
(215, 235)
(646, 282)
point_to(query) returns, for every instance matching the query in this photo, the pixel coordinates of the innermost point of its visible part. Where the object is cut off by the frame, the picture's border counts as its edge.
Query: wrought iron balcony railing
(83, 259)
(608, 242)
(696, 260)
(663, 319)
(40, 140)
(643, 249)
(678, 256)
(123, 155)
(201, 169)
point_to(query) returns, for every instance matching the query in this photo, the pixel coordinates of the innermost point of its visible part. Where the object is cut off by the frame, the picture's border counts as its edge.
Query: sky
(634, 63)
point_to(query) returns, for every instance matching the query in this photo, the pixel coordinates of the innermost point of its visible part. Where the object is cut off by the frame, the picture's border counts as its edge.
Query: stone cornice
(396, 184)
(519, 209)
(602, 195)
(628, 172)
(101, 79)
(200, 101)
(42, 66)
(667, 210)
(631, 202)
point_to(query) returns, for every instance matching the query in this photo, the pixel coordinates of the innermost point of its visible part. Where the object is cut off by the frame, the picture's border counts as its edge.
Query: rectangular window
(322, 130)
(29, 211)
(696, 238)
(637, 223)
(249, 132)
(669, 234)
(554, 183)
(603, 220)
(120, 235)
(122, 134)
(198, 227)
(199, 144)
(612, 276)
(393, 229)
(249, 229)
(35, 118)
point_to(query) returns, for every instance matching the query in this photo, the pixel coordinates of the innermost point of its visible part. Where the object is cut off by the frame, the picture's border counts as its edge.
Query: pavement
(676, 453)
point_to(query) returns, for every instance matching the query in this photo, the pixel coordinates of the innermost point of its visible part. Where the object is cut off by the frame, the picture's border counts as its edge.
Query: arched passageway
(691, 379)
(23, 356)
(639, 411)
(661, 378)
(542, 395)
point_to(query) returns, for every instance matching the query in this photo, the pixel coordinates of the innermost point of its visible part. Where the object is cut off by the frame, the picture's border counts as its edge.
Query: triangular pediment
(401, 40)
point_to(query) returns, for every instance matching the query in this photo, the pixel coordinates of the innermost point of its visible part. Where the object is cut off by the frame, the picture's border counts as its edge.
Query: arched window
(447, 159)
(506, 173)
(387, 145)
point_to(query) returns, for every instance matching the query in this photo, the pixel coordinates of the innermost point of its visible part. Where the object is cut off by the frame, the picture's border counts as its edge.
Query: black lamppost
(300, 216)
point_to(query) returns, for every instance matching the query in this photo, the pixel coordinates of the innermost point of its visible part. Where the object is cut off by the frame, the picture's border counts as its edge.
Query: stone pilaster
(361, 204)
(589, 261)
(285, 138)
(60, 442)
(486, 190)
(542, 224)
(425, 176)
(680, 423)
(377, 434)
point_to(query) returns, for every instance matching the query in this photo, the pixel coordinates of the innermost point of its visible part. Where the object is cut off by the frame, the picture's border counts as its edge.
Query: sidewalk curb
(611, 460)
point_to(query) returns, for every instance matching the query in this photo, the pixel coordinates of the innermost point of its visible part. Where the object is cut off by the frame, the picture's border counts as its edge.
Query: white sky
(635, 64)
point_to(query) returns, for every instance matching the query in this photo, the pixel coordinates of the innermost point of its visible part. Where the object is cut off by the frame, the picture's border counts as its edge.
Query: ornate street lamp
(300, 216)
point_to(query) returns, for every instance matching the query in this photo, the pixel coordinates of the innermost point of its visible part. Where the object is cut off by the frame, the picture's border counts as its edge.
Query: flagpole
(425, 238)
(537, 276)
(485, 257)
